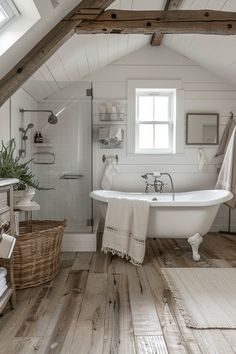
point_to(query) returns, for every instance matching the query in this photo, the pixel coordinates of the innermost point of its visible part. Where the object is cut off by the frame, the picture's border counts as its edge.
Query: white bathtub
(189, 216)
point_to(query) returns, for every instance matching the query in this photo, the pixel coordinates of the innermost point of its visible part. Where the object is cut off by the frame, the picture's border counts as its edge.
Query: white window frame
(177, 123)
(9, 9)
(170, 93)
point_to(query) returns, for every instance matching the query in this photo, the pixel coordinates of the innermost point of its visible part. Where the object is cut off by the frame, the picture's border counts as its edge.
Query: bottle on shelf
(38, 138)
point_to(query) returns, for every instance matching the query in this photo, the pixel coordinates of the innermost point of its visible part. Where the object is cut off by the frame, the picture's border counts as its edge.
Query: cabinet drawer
(3, 202)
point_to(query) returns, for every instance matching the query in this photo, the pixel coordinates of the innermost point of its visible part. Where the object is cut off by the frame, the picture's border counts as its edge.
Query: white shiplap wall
(203, 92)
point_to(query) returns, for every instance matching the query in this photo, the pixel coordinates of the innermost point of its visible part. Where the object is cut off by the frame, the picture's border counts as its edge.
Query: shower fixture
(52, 118)
(24, 137)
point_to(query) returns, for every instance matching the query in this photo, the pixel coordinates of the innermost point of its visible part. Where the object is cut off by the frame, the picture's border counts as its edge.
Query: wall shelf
(43, 145)
(112, 117)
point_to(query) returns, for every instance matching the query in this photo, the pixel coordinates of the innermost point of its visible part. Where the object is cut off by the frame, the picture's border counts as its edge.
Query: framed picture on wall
(202, 129)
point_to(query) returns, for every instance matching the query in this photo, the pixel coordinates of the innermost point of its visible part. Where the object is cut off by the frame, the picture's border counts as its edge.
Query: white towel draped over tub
(126, 228)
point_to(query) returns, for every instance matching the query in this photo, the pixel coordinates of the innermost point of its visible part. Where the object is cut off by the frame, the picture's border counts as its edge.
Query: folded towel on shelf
(7, 244)
(126, 228)
(3, 289)
(3, 282)
(3, 273)
(115, 134)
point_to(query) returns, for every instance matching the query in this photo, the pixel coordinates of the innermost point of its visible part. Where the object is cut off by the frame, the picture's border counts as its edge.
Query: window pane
(161, 136)
(161, 104)
(145, 136)
(145, 108)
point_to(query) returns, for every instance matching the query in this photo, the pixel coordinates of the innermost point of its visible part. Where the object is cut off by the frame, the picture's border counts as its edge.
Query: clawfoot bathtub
(189, 216)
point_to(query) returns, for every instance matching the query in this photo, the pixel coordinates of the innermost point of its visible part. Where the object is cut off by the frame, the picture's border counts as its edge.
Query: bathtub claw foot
(195, 242)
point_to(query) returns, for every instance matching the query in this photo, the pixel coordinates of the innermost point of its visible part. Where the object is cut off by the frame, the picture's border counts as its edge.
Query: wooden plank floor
(100, 304)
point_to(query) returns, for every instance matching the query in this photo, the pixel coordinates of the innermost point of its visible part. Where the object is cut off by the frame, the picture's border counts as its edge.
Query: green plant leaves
(11, 168)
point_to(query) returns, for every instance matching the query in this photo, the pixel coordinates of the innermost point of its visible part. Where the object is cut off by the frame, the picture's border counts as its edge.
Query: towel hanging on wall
(202, 160)
(227, 176)
(226, 136)
(109, 172)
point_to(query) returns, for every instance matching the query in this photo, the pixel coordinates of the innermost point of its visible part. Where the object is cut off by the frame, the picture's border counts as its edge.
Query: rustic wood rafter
(149, 22)
(90, 17)
(48, 45)
(169, 5)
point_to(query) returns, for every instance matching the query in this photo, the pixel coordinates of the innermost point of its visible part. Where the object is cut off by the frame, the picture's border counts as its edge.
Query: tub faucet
(157, 184)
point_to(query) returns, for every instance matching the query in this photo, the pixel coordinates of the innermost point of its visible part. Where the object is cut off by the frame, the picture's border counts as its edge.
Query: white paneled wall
(203, 92)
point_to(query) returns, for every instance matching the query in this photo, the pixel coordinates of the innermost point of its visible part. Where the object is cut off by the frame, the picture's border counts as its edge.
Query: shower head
(52, 118)
(24, 131)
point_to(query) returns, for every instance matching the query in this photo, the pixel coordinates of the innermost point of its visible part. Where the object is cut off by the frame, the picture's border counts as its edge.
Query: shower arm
(22, 110)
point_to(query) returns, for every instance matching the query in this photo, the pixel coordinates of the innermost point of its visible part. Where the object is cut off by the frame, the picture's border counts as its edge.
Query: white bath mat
(206, 297)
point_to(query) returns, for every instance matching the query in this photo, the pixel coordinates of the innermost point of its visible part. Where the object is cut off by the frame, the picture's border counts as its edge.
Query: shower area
(62, 162)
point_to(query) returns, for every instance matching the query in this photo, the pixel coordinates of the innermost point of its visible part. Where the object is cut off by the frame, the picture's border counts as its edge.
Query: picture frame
(202, 129)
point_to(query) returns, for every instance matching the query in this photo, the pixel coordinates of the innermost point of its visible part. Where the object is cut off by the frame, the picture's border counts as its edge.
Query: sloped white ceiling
(50, 16)
(215, 53)
(84, 54)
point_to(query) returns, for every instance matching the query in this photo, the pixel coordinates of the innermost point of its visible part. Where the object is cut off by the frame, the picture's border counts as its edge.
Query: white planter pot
(23, 198)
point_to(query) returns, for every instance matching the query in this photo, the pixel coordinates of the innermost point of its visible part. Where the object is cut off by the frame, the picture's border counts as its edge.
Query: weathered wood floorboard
(101, 304)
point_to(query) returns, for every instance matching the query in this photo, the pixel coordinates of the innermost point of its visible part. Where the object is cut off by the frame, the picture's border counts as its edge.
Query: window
(154, 120)
(155, 117)
(7, 12)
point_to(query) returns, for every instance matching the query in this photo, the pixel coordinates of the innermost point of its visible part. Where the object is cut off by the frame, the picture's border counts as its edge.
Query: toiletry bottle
(36, 137)
(40, 138)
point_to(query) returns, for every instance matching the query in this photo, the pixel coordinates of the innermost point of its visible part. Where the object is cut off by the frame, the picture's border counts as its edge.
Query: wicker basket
(37, 252)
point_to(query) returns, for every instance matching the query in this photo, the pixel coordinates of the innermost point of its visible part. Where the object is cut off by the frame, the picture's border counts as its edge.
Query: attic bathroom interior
(117, 176)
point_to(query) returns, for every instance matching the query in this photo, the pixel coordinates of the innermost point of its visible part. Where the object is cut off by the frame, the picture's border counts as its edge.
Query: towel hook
(104, 158)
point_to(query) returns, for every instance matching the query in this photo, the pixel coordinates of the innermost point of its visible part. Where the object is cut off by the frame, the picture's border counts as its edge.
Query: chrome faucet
(157, 184)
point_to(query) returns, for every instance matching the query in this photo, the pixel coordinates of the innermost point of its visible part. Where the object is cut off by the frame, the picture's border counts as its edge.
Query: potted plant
(11, 167)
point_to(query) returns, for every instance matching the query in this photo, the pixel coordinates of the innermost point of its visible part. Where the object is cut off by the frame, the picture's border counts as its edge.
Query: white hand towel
(7, 244)
(227, 176)
(109, 172)
(202, 160)
(126, 228)
(115, 134)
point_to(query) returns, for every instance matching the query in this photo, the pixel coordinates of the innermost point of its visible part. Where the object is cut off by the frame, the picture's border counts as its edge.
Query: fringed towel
(126, 228)
(227, 176)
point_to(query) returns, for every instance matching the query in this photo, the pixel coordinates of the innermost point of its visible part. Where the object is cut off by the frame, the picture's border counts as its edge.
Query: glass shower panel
(67, 183)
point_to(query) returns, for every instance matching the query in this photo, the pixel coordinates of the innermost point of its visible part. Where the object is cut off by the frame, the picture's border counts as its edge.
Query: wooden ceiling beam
(149, 22)
(170, 5)
(47, 46)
